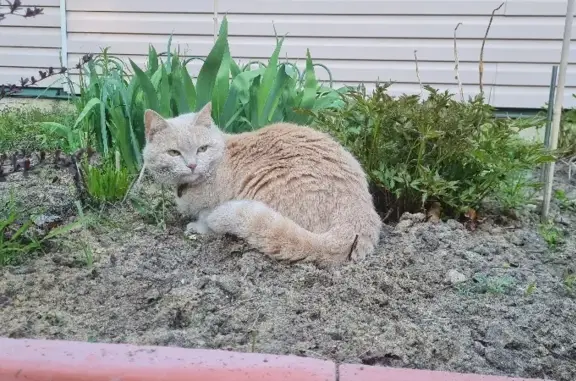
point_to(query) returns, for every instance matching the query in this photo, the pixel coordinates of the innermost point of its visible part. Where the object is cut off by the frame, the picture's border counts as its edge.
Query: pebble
(403, 226)
(415, 217)
(455, 277)
(562, 220)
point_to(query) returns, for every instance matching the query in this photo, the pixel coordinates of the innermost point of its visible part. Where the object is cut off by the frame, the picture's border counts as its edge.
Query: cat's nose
(191, 165)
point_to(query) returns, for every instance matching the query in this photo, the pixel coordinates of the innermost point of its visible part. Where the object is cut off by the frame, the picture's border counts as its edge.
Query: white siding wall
(359, 40)
(29, 44)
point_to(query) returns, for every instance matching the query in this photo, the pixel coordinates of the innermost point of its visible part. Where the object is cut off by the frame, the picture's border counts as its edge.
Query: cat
(289, 191)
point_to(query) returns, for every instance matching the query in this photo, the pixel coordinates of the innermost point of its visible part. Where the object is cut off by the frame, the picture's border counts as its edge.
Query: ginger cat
(290, 191)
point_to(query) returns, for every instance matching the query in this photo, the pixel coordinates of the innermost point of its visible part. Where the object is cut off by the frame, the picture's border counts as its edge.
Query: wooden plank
(41, 3)
(473, 27)
(536, 8)
(49, 19)
(347, 49)
(29, 57)
(13, 75)
(30, 37)
(334, 7)
(405, 72)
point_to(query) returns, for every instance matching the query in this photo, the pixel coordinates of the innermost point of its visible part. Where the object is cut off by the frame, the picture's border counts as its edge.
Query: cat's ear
(153, 123)
(204, 116)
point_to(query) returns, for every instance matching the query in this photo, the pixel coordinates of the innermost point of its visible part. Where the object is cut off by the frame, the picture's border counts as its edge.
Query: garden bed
(499, 300)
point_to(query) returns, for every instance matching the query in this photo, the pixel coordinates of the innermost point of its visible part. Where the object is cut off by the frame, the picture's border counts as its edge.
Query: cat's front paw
(197, 227)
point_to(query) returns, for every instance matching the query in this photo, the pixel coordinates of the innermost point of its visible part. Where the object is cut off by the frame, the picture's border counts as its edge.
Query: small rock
(403, 226)
(455, 277)
(152, 295)
(516, 239)
(430, 241)
(415, 217)
(22, 270)
(454, 225)
(5, 300)
(47, 221)
(562, 220)
(501, 359)
(229, 285)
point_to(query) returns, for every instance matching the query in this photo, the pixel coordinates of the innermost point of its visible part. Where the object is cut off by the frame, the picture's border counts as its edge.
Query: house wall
(360, 41)
(29, 44)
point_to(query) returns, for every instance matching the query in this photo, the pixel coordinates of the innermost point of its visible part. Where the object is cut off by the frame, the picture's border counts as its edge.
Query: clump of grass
(19, 238)
(569, 283)
(436, 151)
(484, 284)
(106, 182)
(21, 127)
(564, 201)
(567, 138)
(551, 234)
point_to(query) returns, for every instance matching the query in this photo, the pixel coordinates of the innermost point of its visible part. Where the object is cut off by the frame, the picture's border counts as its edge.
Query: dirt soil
(497, 300)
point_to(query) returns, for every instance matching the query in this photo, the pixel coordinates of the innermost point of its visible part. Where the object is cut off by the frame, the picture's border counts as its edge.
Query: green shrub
(243, 99)
(437, 150)
(567, 138)
(113, 97)
(110, 110)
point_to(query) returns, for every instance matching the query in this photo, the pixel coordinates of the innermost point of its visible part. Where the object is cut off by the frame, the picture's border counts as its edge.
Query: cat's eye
(173, 152)
(202, 148)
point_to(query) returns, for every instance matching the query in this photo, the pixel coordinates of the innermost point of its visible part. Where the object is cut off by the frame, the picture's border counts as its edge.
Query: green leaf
(189, 88)
(92, 103)
(310, 84)
(152, 59)
(238, 95)
(63, 229)
(270, 75)
(180, 94)
(164, 94)
(147, 88)
(210, 68)
(282, 78)
(221, 88)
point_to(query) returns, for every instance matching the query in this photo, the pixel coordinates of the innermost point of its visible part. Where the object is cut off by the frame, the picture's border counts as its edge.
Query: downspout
(64, 43)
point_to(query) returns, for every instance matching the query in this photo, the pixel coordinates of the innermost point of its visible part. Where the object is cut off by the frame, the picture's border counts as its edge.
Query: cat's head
(184, 149)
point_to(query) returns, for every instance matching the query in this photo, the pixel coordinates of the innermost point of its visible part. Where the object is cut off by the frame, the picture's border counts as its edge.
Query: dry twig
(457, 65)
(418, 73)
(481, 62)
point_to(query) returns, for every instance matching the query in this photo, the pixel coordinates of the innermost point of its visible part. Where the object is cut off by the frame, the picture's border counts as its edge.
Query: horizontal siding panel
(514, 97)
(536, 8)
(332, 7)
(29, 57)
(30, 37)
(42, 3)
(27, 44)
(346, 49)
(49, 19)
(507, 97)
(430, 72)
(13, 75)
(356, 71)
(521, 28)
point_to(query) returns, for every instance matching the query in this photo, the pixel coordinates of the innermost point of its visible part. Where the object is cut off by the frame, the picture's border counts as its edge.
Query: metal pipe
(549, 116)
(550, 105)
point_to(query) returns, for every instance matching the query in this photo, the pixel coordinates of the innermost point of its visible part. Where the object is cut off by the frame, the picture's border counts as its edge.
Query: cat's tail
(280, 237)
